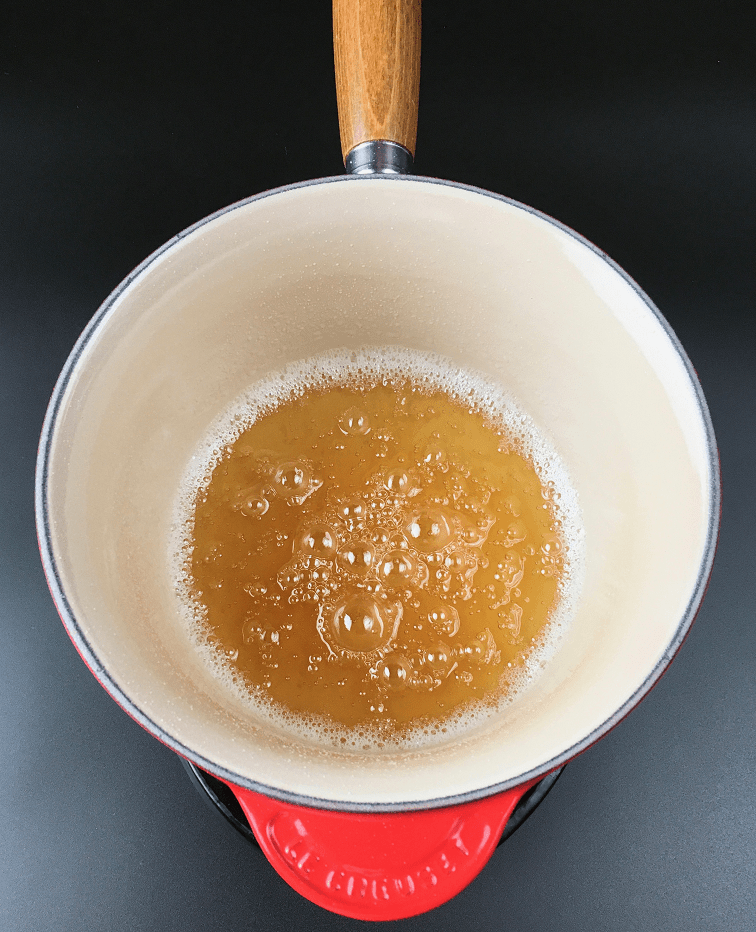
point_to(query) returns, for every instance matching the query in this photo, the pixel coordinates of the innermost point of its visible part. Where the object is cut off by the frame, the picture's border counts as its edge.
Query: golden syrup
(375, 554)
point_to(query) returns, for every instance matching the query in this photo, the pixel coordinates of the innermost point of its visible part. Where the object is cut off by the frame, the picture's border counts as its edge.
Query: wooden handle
(377, 54)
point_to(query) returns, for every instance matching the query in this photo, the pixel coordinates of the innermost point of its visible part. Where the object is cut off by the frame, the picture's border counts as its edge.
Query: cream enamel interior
(355, 262)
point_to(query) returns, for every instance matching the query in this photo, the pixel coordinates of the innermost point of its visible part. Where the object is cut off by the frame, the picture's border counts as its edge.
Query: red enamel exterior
(364, 865)
(379, 866)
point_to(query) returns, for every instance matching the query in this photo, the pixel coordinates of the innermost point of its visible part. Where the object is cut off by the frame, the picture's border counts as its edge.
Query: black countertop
(120, 125)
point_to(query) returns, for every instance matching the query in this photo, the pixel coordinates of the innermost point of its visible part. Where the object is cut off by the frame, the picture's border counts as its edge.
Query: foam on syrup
(425, 548)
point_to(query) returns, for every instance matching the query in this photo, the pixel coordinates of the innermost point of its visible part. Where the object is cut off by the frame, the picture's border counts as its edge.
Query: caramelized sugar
(376, 554)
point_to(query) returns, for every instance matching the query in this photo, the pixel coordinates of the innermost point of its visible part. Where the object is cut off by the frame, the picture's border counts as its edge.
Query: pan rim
(44, 529)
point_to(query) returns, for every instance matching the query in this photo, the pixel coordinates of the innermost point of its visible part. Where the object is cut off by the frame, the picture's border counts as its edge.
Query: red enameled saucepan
(379, 258)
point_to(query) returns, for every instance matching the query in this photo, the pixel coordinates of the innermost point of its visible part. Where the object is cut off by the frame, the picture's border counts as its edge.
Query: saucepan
(379, 258)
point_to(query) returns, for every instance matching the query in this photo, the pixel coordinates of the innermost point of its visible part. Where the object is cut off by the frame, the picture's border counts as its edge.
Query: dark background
(121, 124)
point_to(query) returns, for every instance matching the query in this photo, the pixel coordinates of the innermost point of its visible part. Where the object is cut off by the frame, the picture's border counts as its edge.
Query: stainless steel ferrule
(378, 157)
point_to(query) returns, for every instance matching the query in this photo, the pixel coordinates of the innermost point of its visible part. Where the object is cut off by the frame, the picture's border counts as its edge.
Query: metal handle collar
(378, 157)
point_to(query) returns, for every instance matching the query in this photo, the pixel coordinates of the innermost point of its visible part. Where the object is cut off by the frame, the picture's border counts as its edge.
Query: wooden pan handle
(377, 55)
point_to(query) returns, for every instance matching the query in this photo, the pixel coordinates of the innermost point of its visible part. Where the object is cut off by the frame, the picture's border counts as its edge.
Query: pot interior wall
(357, 262)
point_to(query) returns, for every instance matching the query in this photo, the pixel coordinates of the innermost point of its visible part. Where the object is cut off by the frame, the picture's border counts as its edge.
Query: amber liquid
(375, 556)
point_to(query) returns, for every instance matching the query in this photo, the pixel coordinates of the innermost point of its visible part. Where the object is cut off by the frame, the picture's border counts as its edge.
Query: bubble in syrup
(354, 422)
(295, 482)
(255, 630)
(443, 574)
(482, 650)
(289, 577)
(399, 569)
(444, 618)
(394, 671)
(352, 512)
(399, 481)
(357, 557)
(358, 623)
(516, 532)
(456, 561)
(433, 454)
(316, 539)
(439, 658)
(474, 532)
(381, 535)
(429, 530)
(421, 681)
(511, 569)
(292, 479)
(253, 503)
